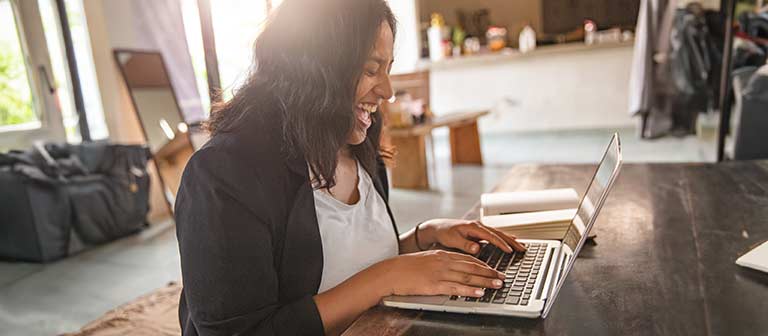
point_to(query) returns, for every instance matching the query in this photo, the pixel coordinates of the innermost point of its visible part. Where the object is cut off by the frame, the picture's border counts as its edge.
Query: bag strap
(14, 157)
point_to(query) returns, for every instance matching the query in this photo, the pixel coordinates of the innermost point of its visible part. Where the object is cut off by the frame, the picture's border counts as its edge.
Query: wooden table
(410, 170)
(667, 239)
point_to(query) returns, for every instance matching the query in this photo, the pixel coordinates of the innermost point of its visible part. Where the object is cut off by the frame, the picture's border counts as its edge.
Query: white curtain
(158, 25)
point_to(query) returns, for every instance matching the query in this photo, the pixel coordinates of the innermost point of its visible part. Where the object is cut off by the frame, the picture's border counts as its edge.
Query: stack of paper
(540, 214)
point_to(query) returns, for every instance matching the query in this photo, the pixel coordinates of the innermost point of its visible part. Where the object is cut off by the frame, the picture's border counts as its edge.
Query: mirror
(164, 128)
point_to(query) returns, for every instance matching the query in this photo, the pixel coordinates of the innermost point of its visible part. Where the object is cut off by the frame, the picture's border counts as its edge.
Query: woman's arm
(432, 272)
(341, 305)
(425, 273)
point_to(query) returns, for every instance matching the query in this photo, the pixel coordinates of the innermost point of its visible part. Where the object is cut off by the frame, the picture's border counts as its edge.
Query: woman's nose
(384, 89)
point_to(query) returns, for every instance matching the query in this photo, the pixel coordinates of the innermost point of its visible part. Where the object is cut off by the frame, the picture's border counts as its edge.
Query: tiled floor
(60, 297)
(63, 296)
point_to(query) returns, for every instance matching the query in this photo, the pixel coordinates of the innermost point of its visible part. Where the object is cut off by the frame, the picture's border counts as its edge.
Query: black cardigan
(251, 254)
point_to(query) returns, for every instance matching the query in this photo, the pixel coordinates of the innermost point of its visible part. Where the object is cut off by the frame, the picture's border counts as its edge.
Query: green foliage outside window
(15, 97)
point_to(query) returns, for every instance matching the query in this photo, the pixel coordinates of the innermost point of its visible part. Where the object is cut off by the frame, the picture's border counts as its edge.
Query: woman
(282, 218)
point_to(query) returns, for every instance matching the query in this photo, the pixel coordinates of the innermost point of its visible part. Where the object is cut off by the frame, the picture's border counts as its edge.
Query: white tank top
(353, 236)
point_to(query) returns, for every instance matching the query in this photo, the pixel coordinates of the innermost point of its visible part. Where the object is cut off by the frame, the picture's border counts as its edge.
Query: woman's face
(374, 85)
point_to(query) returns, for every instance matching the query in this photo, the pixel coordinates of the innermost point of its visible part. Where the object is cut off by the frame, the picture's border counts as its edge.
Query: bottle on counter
(435, 37)
(458, 36)
(527, 39)
(590, 30)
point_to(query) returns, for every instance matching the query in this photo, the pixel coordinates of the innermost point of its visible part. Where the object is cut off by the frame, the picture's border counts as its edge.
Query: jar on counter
(497, 38)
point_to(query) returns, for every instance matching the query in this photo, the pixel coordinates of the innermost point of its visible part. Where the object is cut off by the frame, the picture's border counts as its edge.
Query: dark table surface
(663, 262)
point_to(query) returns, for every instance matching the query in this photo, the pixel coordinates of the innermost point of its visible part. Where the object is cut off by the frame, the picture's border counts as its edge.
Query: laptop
(534, 277)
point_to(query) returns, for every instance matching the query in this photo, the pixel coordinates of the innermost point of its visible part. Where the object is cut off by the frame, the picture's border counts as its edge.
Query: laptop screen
(587, 211)
(595, 191)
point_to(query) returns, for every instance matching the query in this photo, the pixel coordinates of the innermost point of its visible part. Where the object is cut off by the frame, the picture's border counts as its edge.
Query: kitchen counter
(513, 55)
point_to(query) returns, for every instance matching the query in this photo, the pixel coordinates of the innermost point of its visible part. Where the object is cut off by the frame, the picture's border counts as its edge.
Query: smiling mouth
(363, 112)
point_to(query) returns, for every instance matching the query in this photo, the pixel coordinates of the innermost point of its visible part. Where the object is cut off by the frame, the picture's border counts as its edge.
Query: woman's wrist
(339, 306)
(420, 238)
(416, 237)
(425, 235)
(377, 276)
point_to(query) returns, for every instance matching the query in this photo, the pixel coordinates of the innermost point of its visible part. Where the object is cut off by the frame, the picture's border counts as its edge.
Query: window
(86, 70)
(17, 103)
(191, 17)
(236, 24)
(62, 82)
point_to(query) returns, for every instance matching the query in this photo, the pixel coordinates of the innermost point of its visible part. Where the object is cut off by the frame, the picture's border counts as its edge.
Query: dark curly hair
(308, 61)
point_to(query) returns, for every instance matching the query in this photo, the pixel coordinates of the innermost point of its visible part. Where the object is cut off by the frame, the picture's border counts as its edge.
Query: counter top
(513, 54)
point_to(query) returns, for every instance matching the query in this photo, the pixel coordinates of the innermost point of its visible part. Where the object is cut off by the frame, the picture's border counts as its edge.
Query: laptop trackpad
(430, 300)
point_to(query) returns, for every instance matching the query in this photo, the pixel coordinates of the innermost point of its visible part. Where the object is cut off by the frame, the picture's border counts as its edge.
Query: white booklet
(537, 214)
(757, 258)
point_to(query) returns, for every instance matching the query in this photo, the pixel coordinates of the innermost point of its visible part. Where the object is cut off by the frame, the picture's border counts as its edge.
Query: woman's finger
(510, 239)
(460, 241)
(466, 257)
(470, 267)
(479, 231)
(453, 288)
(471, 279)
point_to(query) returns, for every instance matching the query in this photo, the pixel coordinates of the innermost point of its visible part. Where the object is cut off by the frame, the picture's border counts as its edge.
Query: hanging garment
(750, 114)
(689, 69)
(673, 69)
(648, 33)
(651, 40)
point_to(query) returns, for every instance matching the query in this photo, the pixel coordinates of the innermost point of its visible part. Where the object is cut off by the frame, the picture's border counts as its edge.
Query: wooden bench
(409, 169)
(410, 166)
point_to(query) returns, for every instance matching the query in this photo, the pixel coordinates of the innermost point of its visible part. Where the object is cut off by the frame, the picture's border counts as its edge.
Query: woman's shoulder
(241, 152)
(243, 163)
(222, 155)
(215, 169)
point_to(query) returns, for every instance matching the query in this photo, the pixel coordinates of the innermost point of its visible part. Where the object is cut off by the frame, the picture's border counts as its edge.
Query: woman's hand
(463, 235)
(436, 272)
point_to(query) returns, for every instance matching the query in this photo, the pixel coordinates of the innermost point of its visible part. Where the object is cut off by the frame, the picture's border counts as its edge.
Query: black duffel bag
(35, 214)
(112, 201)
(98, 191)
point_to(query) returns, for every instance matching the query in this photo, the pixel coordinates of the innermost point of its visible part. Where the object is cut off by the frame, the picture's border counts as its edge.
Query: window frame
(37, 62)
(37, 108)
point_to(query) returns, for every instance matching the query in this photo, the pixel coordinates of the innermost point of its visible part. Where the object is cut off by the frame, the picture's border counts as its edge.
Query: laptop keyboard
(521, 270)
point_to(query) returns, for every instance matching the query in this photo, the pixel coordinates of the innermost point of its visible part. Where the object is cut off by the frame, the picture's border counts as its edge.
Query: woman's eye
(370, 72)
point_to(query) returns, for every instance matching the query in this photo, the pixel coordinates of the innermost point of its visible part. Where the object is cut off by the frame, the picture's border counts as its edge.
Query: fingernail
(479, 292)
(496, 283)
(502, 276)
(473, 248)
